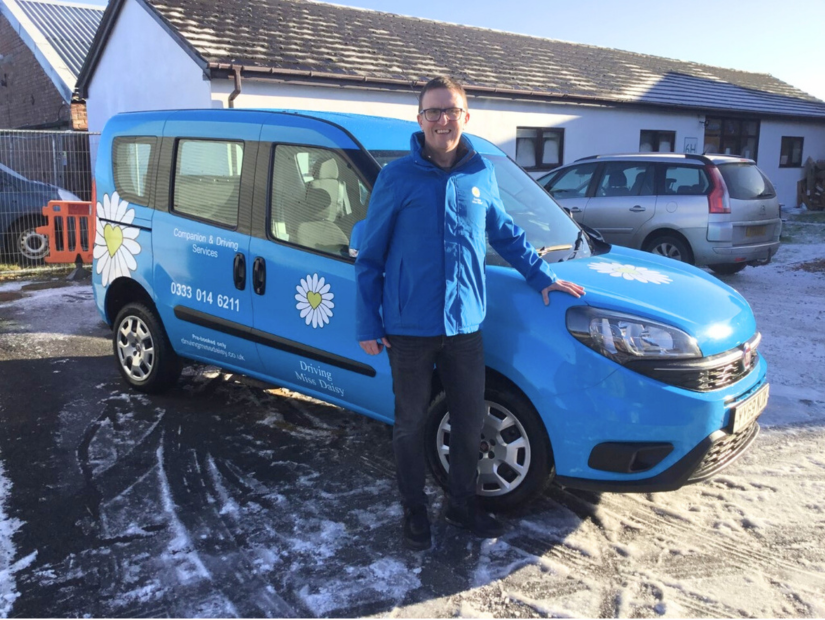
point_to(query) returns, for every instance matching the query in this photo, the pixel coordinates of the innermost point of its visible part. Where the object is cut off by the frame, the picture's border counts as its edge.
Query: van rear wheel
(144, 355)
(515, 459)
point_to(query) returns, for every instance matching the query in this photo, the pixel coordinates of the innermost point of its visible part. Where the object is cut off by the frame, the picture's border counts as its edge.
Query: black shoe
(417, 528)
(468, 517)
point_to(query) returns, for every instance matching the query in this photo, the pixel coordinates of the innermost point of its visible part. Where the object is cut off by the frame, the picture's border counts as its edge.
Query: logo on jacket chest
(477, 196)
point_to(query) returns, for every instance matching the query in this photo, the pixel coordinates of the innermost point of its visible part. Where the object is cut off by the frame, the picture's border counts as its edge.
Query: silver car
(714, 210)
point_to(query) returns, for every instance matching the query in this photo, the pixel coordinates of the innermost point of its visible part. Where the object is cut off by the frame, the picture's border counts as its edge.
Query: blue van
(228, 237)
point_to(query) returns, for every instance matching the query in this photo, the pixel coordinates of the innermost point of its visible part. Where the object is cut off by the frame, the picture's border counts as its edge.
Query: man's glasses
(434, 114)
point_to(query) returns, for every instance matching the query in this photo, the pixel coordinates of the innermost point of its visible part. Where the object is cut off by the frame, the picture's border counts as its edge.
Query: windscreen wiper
(576, 246)
(545, 249)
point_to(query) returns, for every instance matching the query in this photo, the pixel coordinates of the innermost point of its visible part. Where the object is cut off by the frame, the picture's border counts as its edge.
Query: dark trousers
(460, 363)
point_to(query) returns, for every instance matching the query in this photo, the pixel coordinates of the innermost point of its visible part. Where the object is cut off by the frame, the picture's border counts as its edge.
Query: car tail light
(718, 201)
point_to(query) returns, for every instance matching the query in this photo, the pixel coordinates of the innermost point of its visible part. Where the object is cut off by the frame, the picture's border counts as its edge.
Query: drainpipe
(237, 90)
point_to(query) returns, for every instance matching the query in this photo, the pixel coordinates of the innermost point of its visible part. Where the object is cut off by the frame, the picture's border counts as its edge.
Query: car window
(571, 183)
(208, 180)
(686, 180)
(315, 198)
(746, 182)
(130, 167)
(626, 179)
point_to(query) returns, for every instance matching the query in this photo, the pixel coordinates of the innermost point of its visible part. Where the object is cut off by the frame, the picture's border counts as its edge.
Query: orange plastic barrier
(70, 229)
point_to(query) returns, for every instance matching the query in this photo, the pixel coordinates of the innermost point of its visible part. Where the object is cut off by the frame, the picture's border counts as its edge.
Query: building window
(790, 155)
(655, 141)
(539, 149)
(731, 136)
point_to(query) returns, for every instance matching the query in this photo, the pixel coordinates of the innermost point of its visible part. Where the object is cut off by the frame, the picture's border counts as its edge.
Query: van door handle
(637, 209)
(259, 276)
(575, 210)
(239, 271)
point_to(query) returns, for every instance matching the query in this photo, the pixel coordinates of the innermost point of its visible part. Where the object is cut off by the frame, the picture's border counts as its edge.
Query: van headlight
(625, 337)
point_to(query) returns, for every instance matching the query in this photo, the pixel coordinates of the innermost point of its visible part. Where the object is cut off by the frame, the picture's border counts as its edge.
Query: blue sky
(782, 37)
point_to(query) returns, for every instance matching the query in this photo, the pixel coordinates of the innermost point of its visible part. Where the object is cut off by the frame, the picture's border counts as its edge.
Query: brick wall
(27, 96)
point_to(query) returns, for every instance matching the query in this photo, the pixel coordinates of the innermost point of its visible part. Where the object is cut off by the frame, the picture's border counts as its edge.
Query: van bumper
(709, 457)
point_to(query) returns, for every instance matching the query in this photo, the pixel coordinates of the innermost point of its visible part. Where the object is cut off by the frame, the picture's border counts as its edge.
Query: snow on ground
(8, 526)
(255, 503)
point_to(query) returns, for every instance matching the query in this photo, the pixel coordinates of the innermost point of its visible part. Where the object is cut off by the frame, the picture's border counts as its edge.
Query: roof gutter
(379, 81)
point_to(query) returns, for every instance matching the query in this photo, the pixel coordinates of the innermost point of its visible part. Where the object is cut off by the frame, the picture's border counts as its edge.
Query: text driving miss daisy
(325, 382)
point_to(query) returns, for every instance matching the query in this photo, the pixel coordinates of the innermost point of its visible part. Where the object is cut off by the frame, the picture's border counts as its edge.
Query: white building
(544, 102)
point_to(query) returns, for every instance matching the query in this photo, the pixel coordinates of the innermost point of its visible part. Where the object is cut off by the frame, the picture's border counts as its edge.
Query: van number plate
(747, 411)
(755, 231)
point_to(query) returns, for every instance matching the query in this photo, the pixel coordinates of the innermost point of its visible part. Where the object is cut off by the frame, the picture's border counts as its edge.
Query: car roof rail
(701, 158)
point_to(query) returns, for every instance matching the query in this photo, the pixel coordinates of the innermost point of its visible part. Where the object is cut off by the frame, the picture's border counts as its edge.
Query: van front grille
(706, 374)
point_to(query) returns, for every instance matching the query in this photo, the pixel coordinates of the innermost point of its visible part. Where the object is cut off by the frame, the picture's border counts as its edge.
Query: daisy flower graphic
(115, 241)
(314, 300)
(631, 272)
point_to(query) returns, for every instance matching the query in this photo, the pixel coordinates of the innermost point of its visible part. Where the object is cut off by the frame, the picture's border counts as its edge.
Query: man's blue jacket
(422, 257)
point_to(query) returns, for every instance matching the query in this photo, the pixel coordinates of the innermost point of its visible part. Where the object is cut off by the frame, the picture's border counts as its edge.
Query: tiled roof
(69, 28)
(325, 41)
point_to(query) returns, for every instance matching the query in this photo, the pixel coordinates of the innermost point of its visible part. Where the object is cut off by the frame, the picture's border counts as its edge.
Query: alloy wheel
(504, 451)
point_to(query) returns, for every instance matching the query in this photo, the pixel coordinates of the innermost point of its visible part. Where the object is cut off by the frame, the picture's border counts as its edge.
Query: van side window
(131, 157)
(208, 180)
(686, 180)
(316, 198)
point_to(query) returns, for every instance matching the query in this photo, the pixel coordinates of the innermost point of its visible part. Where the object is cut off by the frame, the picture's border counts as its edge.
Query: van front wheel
(515, 460)
(145, 357)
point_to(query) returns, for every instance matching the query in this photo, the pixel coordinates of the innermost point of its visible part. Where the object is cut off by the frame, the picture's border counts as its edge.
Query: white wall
(143, 68)
(770, 141)
(588, 129)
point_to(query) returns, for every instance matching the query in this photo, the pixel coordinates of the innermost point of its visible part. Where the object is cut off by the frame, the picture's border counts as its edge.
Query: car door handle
(637, 209)
(259, 276)
(239, 271)
(575, 210)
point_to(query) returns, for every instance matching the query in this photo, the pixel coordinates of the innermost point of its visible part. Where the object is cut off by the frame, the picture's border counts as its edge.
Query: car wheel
(727, 269)
(144, 355)
(515, 459)
(29, 247)
(671, 247)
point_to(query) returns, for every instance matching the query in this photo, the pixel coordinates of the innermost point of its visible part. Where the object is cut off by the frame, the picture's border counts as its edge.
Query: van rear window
(746, 182)
(131, 159)
(208, 180)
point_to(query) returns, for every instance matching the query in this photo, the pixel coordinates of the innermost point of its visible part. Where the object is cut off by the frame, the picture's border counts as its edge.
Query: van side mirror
(355, 237)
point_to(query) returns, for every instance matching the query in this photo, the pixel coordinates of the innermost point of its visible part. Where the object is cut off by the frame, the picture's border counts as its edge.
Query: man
(422, 295)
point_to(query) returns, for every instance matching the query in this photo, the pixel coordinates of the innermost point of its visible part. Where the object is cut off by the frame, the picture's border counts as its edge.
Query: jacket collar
(417, 151)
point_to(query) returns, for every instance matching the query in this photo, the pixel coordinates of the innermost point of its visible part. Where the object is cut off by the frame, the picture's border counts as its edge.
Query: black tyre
(515, 457)
(28, 247)
(142, 350)
(670, 246)
(727, 269)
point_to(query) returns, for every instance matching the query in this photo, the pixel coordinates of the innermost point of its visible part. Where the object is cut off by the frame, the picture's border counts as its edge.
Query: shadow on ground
(221, 499)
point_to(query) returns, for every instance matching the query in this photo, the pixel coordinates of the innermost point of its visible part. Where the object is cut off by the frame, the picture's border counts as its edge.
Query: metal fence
(36, 167)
